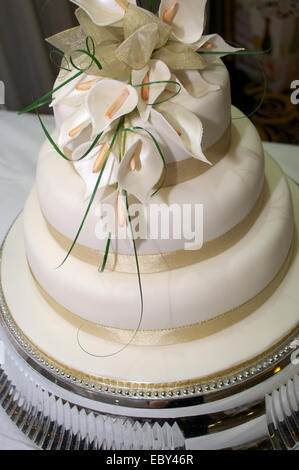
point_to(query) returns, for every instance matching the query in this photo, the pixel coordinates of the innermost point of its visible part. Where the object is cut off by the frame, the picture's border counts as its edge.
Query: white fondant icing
(228, 191)
(56, 335)
(175, 298)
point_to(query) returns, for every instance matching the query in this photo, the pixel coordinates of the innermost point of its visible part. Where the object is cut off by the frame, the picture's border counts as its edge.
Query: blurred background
(28, 73)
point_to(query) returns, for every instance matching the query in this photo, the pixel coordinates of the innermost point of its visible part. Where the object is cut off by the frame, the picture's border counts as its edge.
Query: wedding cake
(147, 142)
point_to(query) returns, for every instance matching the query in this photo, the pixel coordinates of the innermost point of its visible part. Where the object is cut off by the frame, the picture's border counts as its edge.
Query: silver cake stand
(256, 407)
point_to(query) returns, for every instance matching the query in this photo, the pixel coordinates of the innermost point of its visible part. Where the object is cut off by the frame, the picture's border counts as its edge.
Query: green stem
(122, 145)
(102, 268)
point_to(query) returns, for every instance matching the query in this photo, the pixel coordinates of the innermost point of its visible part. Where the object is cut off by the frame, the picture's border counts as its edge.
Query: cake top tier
(134, 91)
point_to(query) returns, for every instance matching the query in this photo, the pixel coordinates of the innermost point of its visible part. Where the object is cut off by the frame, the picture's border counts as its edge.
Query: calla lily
(139, 171)
(186, 17)
(70, 109)
(63, 114)
(214, 43)
(140, 51)
(69, 105)
(74, 92)
(109, 100)
(141, 167)
(154, 71)
(113, 221)
(73, 126)
(104, 12)
(181, 126)
(193, 87)
(90, 167)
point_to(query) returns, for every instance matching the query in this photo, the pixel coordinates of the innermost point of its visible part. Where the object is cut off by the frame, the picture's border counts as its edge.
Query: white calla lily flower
(112, 212)
(104, 12)
(61, 113)
(74, 92)
(181, 126)
(90, 105)
(69, 108)
(186, 17)
(89, 168)
(73, 126)
(155, 71)
(141, 167)
(109, 100)
(193, 86)
(67, 89)
(214, 43)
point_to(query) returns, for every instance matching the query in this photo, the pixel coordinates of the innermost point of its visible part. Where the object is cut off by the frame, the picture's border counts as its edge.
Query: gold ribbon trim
(167, 261)
(175, 335)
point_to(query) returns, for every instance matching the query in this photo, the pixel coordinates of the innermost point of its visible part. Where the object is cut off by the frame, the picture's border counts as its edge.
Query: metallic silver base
(55, 417)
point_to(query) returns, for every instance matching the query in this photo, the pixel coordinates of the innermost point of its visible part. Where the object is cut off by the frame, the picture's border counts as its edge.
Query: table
(21, 138)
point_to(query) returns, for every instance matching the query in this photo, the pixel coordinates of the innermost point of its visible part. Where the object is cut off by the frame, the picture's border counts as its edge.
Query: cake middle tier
(181, 297)
(228, 192)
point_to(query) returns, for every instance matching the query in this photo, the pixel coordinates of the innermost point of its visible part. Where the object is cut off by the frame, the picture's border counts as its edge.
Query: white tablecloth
(21, 138)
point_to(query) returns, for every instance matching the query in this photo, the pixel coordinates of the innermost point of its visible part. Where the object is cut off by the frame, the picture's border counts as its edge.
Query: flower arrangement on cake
(128, 84)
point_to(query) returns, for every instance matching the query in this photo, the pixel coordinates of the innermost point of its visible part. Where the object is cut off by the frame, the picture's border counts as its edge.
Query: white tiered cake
(207, 312)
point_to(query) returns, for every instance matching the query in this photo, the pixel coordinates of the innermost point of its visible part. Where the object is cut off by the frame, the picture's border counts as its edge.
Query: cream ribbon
(167, 261)
(178, 335)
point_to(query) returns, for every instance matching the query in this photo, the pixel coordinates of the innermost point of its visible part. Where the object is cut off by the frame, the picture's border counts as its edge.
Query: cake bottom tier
(65, 342)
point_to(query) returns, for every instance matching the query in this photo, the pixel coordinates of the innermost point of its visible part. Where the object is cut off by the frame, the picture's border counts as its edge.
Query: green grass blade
(102, 268)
